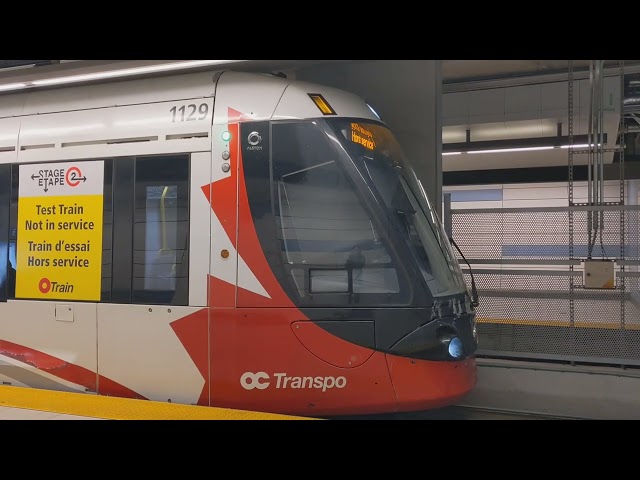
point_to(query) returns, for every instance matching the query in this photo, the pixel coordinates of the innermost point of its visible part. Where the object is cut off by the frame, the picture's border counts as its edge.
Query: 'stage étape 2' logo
(262, 380)
(51, 177)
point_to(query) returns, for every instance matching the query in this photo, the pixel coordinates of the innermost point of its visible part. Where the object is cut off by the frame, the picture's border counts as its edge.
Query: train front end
(430, 351)
(367, 309)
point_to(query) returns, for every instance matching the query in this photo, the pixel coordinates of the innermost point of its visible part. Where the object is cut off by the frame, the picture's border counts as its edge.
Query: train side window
(107, 232)
(6, 269)
(161, 231)
(145, 230)
(13, 232)
(330, 246)
(10, 192)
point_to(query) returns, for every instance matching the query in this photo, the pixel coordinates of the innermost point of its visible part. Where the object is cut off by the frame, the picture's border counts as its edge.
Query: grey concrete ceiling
(453, 71)
(468, 70)
(21, 63)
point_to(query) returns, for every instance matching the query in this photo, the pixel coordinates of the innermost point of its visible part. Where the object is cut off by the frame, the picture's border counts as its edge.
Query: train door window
(330, 246)
(107, 232)
(161, 230)
(5, 207)
(9, 198)
(13, 232)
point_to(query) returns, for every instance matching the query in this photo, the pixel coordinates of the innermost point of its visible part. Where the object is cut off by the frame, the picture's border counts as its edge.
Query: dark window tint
(107, 232)
(123, 177)
(145, 230)
(7, 274)
(11, 195)
(161, 230)
(330, 245)
(13, 232)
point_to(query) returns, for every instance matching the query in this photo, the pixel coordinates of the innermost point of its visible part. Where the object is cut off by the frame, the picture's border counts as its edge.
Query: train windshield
(381, 163)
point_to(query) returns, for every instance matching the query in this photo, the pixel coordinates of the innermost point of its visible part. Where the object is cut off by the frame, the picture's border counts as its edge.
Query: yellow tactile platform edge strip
(113, 408)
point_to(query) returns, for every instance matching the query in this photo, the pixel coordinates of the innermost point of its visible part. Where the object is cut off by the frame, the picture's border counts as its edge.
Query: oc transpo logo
(249, 380)
(262, 380)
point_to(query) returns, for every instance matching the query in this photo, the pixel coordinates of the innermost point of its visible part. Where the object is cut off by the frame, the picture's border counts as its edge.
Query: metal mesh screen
(530, 280)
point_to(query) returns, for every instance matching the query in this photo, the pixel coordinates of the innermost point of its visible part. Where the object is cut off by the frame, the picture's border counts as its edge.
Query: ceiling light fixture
(523, 149)
(500, 150)
(518, 145)
(12, 86)
(114, 74)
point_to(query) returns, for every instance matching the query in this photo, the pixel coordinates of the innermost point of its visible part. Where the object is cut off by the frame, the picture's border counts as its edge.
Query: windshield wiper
(474, 291)
(403, 216)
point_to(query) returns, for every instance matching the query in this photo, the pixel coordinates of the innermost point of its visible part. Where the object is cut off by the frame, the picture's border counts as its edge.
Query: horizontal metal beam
(542, 273)
(548, 356)
(574, 208)
(527, 175)
(509, 261)
(628, 262)
(580, 294)
(534, 261)
(534, 79)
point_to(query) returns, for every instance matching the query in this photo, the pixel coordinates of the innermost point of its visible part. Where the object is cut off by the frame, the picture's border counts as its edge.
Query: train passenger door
(50, 232)
(153, 322)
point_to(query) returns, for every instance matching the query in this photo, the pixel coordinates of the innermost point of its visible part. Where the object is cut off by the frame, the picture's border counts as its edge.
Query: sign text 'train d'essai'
(59, 245)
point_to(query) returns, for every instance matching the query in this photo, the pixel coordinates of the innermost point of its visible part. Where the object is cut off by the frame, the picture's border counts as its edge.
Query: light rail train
(225, 239)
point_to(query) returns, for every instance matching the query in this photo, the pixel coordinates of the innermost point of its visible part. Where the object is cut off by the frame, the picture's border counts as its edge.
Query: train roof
(174, 88)
(159, 115)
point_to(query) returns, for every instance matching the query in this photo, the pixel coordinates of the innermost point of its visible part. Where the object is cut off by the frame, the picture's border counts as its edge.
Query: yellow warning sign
(59, 244)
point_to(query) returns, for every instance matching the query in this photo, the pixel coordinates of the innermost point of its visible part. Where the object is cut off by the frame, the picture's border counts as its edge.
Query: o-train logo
(45, 286)
(261, 380)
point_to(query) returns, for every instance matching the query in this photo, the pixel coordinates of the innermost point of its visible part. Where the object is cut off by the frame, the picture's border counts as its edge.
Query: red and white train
(226, 239)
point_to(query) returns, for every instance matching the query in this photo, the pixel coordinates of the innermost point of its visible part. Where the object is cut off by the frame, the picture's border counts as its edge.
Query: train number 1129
(189, 113)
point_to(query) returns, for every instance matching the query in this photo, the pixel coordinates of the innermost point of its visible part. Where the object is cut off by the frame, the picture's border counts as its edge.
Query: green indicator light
(226, 136)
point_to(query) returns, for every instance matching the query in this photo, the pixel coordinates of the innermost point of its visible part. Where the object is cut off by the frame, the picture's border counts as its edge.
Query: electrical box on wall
(598, 274)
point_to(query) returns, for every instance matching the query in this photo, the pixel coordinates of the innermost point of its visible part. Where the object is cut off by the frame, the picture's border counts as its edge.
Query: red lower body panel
(423, 385)
(258, 363)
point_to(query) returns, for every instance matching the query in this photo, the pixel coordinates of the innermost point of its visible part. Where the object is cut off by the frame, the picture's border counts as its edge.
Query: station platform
(21, 403)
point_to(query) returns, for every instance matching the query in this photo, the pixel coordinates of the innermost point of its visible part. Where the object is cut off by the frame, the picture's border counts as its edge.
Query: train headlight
(451, 342)
(456, 349)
